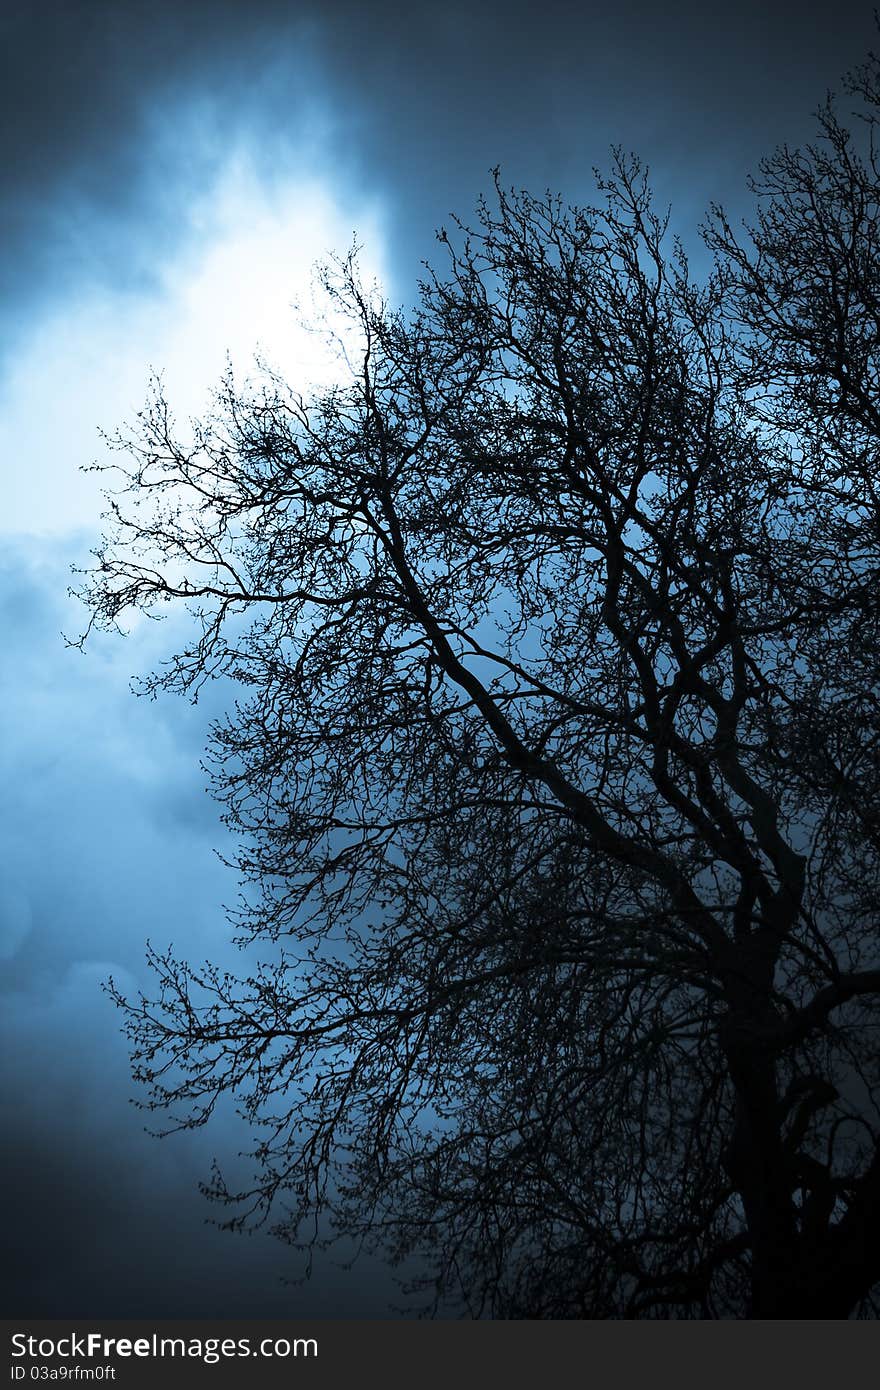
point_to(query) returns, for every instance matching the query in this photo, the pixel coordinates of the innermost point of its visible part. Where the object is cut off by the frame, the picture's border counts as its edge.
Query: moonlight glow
(240, 284)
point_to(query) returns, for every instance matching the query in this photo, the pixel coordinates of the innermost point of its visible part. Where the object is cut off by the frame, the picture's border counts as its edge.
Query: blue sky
(169, 176)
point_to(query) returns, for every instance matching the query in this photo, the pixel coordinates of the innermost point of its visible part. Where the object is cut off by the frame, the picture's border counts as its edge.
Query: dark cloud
(101, 1219)
(417, 102)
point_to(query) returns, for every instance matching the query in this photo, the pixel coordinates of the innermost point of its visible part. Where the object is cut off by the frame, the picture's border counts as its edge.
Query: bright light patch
(246, 256)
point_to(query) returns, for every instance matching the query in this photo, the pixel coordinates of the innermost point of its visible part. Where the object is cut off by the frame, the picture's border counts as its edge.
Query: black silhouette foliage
(556, 757)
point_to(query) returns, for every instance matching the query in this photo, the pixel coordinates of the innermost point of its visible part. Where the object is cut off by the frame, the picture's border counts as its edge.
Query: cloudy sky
(169, 174)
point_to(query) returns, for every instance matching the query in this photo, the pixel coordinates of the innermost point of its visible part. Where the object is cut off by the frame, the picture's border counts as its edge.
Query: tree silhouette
(556, 760)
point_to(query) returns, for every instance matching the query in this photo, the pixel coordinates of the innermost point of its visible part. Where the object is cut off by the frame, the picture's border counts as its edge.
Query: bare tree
(556, 762)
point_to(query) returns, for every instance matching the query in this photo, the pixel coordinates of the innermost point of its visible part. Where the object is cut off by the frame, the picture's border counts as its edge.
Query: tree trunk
(797, 1272)
(757, 1166)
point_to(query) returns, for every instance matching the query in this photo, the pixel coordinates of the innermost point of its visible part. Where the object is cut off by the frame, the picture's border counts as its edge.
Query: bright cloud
(245, 258)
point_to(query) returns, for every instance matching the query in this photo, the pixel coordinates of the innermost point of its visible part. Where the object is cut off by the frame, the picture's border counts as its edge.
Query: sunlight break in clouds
(245, 258)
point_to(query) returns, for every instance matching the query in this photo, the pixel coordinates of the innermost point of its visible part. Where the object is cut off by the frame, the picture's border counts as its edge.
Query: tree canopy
(555, 761)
